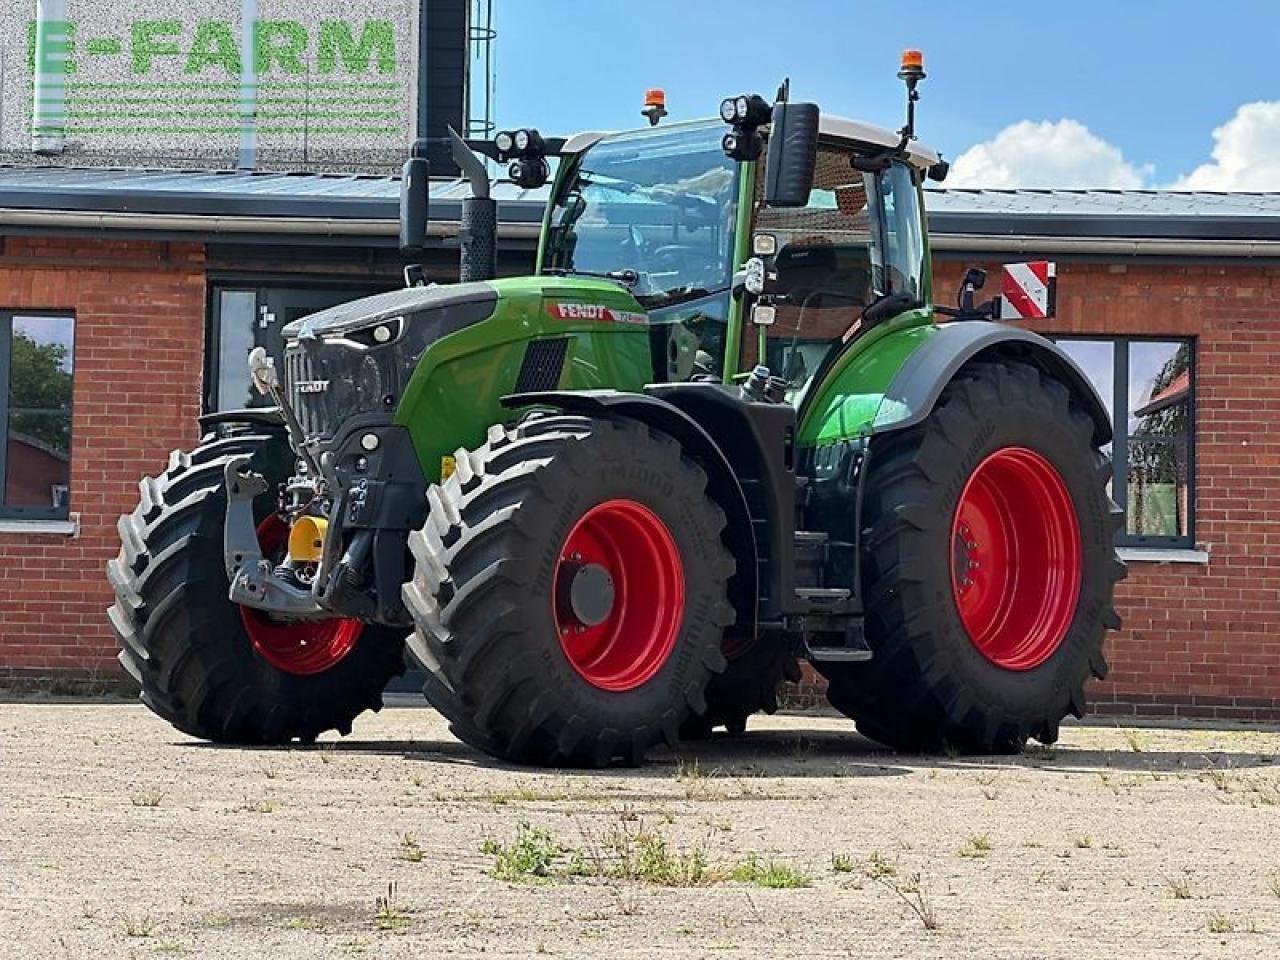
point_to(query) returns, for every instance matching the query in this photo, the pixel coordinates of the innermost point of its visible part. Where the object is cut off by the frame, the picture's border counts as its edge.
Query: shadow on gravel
(764, 753)
(1067, 760)
(833, 754)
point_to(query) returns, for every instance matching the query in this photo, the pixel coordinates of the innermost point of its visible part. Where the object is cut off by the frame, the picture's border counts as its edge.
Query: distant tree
(39, 381)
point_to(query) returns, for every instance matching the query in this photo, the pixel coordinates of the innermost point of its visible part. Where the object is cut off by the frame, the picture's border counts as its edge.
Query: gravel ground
(121, 838)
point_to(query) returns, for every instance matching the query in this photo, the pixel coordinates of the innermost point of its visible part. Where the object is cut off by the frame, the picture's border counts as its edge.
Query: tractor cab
(667, 213)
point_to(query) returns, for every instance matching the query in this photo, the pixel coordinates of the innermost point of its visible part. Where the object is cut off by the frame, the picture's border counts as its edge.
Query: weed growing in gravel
(410, 849)
(146, 799)
(215, 921)
(1136, 741)
(688, 770)
(776, 876)
(529, 856)
(1274, 883)
(644, 856)
(913, 893)
(143, 926)
(842, 863)
(257, 806)
(1084, 842)
(986, 783)
(1038, 753)
(878, 866)
(1220, 923)
(171, 948)
(1179, 887)
(303, 923)
(1222, 779)
(976, 847)
(387, 914)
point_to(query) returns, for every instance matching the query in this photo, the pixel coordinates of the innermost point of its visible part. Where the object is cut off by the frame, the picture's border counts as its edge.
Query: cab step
(823, 596)
(854, 649)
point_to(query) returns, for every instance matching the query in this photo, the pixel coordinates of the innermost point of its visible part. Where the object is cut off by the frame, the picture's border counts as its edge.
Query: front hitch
(253, 579)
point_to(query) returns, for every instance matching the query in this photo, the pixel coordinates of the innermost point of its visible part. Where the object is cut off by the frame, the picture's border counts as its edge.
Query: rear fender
(722, 479)
(915, 389)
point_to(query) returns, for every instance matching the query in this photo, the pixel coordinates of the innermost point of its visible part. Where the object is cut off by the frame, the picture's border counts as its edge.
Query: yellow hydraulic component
(306, 539)
(448, 465)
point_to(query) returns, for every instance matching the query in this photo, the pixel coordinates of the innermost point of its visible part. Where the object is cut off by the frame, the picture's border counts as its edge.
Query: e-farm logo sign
(170, 77)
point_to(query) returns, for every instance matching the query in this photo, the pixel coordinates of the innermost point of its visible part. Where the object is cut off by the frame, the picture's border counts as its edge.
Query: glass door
(246, 316)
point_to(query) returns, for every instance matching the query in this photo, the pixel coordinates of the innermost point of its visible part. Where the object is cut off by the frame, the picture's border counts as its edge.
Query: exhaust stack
(478, 229)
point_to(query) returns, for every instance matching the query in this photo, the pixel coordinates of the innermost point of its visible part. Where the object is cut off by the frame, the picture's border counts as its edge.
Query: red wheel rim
(1015, 558)
(619, 595)
(300, 647)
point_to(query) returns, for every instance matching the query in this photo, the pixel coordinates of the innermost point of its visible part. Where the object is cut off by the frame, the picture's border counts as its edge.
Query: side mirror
(793, 154)
(415, 186)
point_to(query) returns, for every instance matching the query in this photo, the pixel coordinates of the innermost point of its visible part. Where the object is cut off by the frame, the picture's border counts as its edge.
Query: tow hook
(253, 581)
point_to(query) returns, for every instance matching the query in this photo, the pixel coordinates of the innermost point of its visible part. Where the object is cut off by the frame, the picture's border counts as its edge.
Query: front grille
(312, 408)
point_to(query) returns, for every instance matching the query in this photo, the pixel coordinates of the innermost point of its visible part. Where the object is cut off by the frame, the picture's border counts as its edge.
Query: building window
(36, 364)
(1148, 386)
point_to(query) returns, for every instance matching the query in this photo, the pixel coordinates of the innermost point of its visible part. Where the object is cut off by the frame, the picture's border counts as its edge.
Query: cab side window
(826, 264)
(903, 235)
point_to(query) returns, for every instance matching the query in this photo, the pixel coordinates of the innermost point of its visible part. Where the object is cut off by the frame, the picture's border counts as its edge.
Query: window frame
(8, 512)
(1120, 433)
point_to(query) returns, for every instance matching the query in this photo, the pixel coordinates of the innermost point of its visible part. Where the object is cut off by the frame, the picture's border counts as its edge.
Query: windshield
(655, 209)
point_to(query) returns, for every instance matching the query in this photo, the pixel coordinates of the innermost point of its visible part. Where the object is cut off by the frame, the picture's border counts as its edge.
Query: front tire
(211, 668)
(570, 592)
(988, 569)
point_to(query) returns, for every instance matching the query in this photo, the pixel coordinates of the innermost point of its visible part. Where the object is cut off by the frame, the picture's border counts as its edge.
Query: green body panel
(456, 389)
(850, 401)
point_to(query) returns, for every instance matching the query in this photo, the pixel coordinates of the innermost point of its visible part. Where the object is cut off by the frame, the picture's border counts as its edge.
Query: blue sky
(1149, 79)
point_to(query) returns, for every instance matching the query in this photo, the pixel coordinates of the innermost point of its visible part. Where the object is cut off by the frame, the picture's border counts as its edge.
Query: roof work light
(655, 105)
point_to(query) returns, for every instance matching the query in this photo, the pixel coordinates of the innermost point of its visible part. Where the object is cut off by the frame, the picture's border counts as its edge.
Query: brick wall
(1198, 640)
(139, 346)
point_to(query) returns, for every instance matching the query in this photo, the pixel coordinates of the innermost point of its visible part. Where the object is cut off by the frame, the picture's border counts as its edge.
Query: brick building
(137, 286)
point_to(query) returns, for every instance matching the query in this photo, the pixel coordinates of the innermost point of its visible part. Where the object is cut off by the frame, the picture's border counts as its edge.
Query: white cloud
(1064, 155)
(1246, 153)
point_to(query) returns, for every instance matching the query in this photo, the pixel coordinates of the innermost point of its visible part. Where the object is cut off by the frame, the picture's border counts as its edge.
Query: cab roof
(832, 129)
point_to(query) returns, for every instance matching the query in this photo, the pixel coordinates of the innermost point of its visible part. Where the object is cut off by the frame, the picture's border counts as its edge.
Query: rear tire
(507, 664)
(936, 679)
(185, 642)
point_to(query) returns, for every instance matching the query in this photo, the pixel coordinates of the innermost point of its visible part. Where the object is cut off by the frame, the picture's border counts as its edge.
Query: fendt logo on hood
(594, 311)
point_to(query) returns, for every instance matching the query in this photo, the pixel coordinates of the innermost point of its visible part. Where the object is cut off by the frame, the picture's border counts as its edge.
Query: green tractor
(721, 429)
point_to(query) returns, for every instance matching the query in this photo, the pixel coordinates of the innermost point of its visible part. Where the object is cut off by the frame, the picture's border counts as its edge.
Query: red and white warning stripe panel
(1028, 291)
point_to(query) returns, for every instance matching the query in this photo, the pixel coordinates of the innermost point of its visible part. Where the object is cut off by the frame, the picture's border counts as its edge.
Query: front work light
(746, 113)
(749, 110)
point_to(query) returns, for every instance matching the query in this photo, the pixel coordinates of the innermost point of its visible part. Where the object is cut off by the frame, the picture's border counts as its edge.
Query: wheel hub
(585, 593)
(618, 599)
(1016, 559)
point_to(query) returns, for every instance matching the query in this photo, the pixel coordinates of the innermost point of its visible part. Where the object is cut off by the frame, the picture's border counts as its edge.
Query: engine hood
(471, 301)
